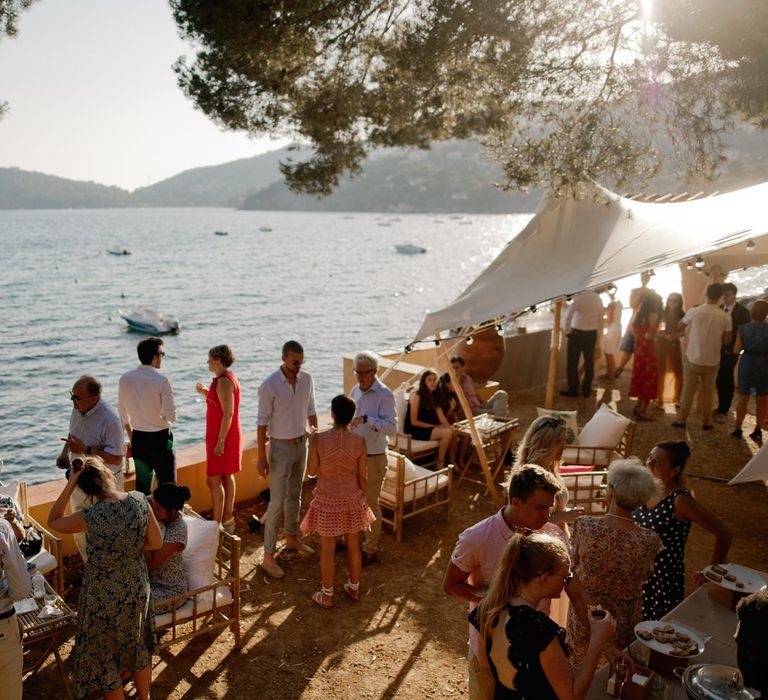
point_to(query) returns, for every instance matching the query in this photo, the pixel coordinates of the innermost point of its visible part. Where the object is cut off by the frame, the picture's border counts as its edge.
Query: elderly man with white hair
(375, 419)
(613, 556)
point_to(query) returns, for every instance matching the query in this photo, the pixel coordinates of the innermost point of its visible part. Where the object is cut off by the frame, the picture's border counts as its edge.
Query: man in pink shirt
(531, 496)
(497, 405)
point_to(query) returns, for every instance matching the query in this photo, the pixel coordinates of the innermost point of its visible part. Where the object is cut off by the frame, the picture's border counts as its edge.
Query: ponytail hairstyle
(678, 452)
(96, 479)
(525, 558)
(171, 496)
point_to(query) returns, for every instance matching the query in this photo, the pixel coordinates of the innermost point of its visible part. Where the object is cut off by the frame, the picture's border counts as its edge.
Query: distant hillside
(225, 185)
(450, 177)
(23, 189)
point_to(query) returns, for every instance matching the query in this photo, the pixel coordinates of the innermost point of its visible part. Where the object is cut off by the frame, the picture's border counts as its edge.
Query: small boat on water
(409, 249)
(265, 228)
(119, 250)
(221, 233)
(383, 223)
(146, 320)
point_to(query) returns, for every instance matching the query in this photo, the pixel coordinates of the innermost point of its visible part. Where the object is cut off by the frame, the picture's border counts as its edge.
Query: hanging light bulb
(689, 265)
(470, 340)
(500, 330)
(699, 262)
(750, 245)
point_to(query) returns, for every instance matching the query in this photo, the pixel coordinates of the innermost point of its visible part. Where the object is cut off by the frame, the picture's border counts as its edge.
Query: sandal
(324, 592)
(352, 589)
(757, 436)
(229, 526)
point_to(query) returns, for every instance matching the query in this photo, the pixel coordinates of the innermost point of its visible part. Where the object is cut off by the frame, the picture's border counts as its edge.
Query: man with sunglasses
(146, 405)
(375, 420)
(286, 406)
(95, 430)
(530, 498)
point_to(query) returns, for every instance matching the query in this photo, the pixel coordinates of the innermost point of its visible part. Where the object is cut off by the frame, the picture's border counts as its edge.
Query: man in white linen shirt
(375, 419)
(583, 326)
(146, 405)
(286, 405)
(15, 584)
(95, 430)
(708, 328)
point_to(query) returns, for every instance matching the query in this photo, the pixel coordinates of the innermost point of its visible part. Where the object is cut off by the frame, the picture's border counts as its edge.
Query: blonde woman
(524, 649)
(543, 444)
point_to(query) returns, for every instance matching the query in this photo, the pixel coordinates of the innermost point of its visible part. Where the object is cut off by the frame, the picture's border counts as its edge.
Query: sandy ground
(405, 638)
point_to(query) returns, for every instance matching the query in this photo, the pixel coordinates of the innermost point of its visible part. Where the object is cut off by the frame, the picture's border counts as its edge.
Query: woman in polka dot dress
(337, 457)
(670, 514)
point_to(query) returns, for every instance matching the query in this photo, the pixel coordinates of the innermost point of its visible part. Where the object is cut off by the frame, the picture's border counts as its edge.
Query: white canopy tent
(572, 244)
(754, 470)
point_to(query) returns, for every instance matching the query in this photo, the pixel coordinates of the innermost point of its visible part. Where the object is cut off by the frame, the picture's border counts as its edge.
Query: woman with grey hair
(613, 556)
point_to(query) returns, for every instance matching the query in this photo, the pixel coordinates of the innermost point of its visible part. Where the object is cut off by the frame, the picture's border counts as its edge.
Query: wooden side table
(496, 435)
(50, 631)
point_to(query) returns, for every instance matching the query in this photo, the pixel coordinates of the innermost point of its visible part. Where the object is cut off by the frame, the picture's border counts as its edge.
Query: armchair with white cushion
(422, 451)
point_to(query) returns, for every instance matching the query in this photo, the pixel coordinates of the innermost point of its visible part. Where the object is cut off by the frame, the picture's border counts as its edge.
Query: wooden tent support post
(476, 441)
(554, 351)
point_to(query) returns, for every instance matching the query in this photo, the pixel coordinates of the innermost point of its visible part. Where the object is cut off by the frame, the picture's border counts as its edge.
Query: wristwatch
(365, 418)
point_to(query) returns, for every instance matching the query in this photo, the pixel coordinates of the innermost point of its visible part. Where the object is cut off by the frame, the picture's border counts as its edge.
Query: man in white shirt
(146, 405)
(707, 328)
(583, 326)
(94, 429)
(286, 405)
(15, 585)
(375, 419)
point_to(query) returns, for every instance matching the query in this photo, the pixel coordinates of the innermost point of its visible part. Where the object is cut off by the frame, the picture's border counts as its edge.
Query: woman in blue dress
(752, 338)
(670, 514)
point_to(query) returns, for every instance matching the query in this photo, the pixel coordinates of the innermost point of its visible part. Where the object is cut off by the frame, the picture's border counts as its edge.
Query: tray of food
(670, 638)
(735, 578)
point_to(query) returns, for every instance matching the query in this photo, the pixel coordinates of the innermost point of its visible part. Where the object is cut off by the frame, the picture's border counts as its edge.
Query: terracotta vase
(484, 357)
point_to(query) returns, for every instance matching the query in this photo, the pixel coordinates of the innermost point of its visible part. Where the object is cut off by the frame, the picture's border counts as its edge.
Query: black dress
(514, 656)
(426, 415)
(665, 588)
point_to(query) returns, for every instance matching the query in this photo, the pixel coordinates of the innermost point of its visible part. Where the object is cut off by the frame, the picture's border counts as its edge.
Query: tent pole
(475, 435)
(554, 351)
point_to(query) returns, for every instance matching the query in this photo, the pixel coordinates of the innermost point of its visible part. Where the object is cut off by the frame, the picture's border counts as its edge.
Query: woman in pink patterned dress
(645, 366)
(613, 556)
(337, 457)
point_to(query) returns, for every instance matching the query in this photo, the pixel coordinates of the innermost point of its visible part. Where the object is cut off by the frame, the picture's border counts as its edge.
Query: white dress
(612, 333)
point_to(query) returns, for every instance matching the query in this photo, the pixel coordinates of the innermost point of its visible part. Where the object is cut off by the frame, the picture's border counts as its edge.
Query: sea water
(334, 282)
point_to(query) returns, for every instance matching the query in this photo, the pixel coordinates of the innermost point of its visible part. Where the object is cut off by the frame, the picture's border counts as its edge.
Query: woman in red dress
(645, 366)
(223, 439)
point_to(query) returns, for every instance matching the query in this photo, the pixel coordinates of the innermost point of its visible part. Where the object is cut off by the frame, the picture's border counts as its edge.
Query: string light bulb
(699, 262)
(500, 330)
(470, 340)
(689, 265)
(750, 245)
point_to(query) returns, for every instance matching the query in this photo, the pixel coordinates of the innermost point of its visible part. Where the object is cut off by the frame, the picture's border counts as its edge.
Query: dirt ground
(405, 638)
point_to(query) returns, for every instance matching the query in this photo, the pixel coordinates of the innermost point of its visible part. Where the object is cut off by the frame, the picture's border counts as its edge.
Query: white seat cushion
(44, 562)
(223, 597)
(399, 442)
(199, 555)
(600, 459)
(388, 493)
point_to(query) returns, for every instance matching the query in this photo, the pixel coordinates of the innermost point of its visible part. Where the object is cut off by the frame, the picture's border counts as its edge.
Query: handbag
(32, 542)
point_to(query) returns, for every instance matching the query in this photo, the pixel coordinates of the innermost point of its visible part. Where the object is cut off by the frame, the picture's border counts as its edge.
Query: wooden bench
(409, 490)
(211, 607)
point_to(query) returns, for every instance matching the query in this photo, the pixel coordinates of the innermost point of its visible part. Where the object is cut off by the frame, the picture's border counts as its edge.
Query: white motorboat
(265, 228)
(146, 320)
(409, 249)
(221, 233)
(119, 250)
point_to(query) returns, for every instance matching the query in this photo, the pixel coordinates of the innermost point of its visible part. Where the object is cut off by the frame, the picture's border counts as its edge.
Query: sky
(93, 96)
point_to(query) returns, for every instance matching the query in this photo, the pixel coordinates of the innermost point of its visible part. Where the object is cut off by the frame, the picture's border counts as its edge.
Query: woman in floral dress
(613, 556)
(115, 625)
